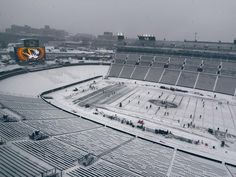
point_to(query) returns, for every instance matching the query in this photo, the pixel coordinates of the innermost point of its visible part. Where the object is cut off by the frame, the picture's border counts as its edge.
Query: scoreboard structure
(31, 52)
(146, 40)
(146, 37)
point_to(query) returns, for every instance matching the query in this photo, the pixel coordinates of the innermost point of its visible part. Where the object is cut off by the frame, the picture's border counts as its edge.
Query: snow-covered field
(32, 84)
(192, 118)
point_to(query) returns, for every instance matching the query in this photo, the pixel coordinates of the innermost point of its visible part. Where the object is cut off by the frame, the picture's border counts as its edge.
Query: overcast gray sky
(171, 19)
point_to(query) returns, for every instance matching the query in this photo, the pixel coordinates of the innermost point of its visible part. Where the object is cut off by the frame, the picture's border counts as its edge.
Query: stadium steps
(147, 73)
(121, 71)
(178, 78)
(113, 149)
(133, 71)
(109, 71)
(171, 164)
(161, 76)
(196, 80)
(214, 88)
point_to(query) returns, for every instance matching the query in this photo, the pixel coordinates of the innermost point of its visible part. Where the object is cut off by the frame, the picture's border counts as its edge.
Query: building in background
(106, 40)
(46, 34)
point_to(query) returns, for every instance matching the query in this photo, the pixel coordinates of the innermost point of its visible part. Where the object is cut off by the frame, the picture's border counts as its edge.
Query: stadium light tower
(120, 36)
(195, 36)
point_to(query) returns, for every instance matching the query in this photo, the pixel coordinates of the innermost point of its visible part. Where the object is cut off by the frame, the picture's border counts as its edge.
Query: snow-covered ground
(32, 84)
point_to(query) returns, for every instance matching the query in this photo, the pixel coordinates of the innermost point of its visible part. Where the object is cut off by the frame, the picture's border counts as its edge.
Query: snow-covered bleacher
(25, 105)
(177, 60)
(211, 63)
(121, 56)
(96, 141)
(193, 61)
(37, 114)
(145, 63)
(14, 131)
(226, 84)
(170, 76)
(146, 60)
(133, 59)
(61, 126)
(21, 99)
(140, 72)
(158, 64)
(32, 108)
(175, 66)
(53, 152)
(162, 58)
(167, 67)
(206, 81)
(187, 79)
(186, 165)
(131, 62)
(154, 74)
(210, 70)
(115, 70)
(101, 168)
(142, 157)
(127, 71)
(192, 64)
(227, 65)
(119, 61)
(228, 72)
(14, 164)
(191, 68)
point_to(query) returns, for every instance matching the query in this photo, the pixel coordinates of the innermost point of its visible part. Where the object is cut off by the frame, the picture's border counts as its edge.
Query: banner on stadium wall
(30, 54)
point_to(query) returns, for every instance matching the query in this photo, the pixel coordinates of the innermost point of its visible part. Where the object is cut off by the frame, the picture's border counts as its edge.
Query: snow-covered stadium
(142, 115)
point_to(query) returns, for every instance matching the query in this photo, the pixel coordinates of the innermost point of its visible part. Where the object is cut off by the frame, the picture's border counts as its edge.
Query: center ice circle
(163, 103)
